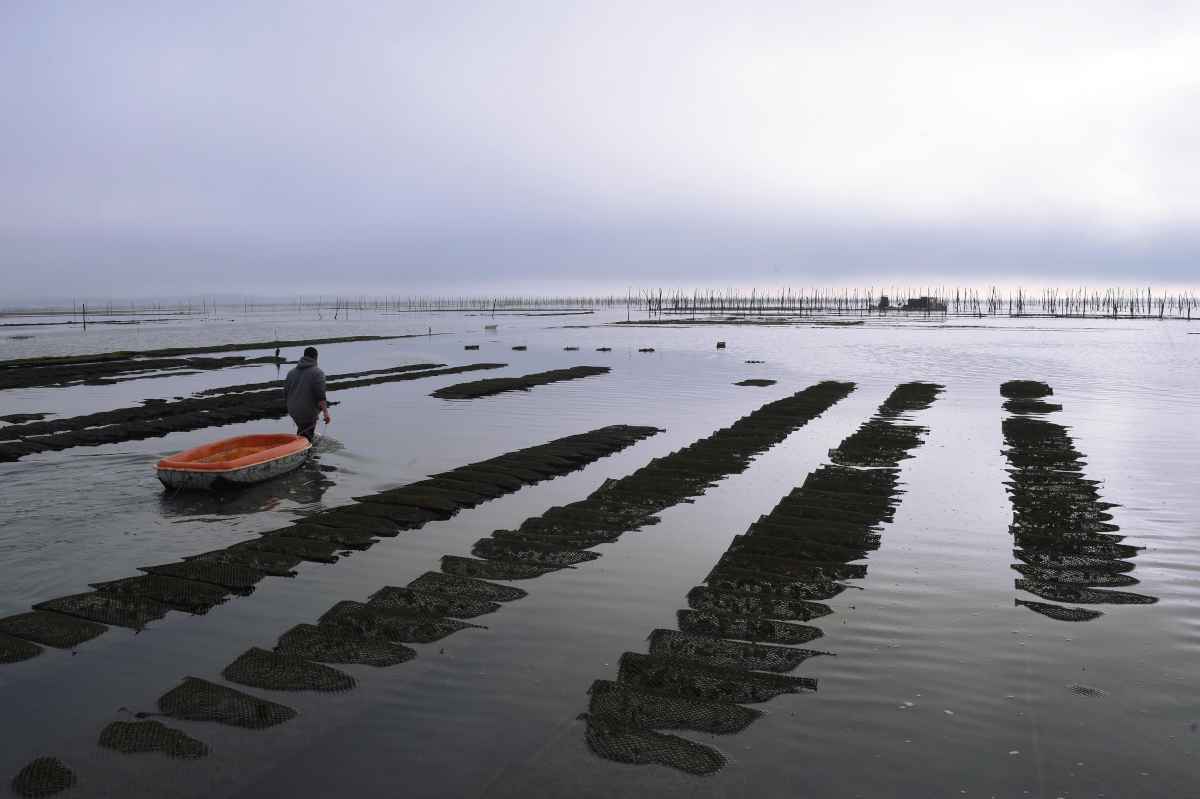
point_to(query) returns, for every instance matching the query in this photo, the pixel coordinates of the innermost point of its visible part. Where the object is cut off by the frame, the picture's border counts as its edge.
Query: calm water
(940, 687)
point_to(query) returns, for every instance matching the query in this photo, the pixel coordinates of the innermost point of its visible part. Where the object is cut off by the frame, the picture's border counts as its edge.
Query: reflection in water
(425, 611)
(186, 585)
(356, 632)
(1068, 548)
(305, 487)
(564, 536)
(726, 652)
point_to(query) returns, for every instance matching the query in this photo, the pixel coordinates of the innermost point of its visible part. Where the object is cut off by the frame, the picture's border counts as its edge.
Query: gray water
(940, 686)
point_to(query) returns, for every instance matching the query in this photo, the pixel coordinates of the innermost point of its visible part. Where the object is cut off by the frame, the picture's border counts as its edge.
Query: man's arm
(322, 405)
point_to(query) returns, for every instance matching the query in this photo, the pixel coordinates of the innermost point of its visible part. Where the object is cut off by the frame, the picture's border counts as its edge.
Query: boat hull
(203, 467)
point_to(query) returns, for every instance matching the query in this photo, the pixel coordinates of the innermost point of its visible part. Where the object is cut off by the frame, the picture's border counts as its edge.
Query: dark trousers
(306, 428)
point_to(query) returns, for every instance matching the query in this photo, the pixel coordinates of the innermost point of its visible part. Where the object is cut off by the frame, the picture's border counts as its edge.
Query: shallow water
(940, 686)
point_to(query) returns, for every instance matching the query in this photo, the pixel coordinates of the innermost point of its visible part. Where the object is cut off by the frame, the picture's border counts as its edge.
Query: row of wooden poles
(1018, 302)
(1051, 302)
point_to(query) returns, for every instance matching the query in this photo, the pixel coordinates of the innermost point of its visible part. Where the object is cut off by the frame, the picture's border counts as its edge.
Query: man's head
(310, 352)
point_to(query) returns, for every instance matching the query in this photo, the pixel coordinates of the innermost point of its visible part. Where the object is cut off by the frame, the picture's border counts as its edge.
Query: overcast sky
(181, 147)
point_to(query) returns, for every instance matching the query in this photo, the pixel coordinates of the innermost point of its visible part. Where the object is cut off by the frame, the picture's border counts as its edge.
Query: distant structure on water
(926, 304)
(922, 304)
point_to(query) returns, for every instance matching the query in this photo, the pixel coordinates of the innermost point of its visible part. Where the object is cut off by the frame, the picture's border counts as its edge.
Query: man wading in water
(304, 390)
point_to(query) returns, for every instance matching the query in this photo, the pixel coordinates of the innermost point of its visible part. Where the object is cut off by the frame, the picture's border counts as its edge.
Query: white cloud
(261, 121)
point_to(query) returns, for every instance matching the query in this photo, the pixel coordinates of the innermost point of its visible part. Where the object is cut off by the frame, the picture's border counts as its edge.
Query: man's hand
(327, 417)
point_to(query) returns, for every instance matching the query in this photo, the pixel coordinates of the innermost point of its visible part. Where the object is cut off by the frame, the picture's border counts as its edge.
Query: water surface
(940, 687)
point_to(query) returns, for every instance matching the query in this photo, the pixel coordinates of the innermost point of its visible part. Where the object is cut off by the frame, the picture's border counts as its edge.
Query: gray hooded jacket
(304, 388)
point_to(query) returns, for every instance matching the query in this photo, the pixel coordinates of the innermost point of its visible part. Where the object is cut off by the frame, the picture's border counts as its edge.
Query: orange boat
(241, 460)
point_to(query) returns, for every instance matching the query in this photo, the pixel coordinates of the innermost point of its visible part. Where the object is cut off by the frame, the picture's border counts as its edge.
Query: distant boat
(237, 460)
